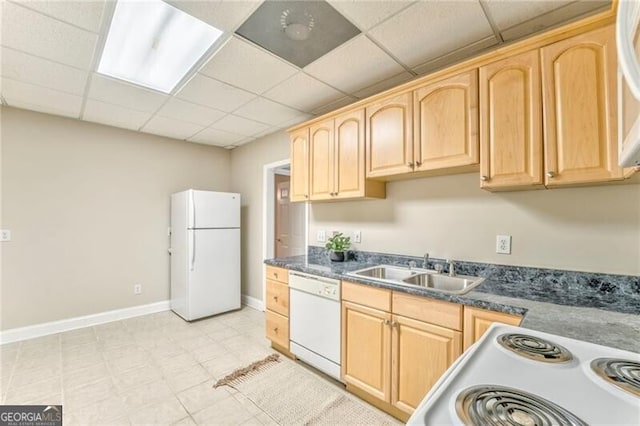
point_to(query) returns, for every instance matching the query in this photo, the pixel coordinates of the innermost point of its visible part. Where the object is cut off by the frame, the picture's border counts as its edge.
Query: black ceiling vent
(297, 31)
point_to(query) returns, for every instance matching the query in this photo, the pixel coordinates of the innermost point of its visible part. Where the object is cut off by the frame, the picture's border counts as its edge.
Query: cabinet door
(578, 77)
(389, 141)
(366, 349)
(421, 353)
(511, 123)
(300, 165)
(477, 321)
(321, 161)
(349, 155)
(446, 123)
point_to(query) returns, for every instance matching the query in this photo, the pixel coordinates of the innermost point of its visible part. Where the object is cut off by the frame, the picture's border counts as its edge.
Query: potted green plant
(338, 244)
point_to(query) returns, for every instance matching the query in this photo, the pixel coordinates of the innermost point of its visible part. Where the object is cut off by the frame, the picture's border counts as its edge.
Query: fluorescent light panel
(153, 44)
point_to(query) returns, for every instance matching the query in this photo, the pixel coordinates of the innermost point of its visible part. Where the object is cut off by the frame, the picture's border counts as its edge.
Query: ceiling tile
(42, 72)
(295, 120)
(266, 132)
(114, 115)
(84, 14)
(366, 14)
(242, 126)
(213, 93)
(177, 129)
(354, 65)
(303, 92)
(268, 112)
(37, 98)
(216, 137)
(120, 93)
(561, 15)
(244, 141)
(334, 105)
(223, 14)
(192, 113)
(410, 39)
(236, 63)
(519, 11)
(34, 33)
(455, 56)
(383, 85)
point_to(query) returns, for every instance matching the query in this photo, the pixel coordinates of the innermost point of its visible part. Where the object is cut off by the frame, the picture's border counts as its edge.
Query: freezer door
(213, 209)
(214, 272)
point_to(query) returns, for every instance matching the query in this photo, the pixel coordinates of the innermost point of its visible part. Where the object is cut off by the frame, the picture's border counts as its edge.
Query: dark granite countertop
(576, 305)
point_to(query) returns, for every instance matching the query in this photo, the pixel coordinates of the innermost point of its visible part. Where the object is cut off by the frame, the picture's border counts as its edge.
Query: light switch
(5, 235)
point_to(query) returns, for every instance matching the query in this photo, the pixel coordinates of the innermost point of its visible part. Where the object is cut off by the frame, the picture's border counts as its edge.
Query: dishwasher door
(314, 328)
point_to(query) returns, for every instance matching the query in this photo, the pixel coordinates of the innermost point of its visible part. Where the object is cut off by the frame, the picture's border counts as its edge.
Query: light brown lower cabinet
(277, 312)
(392, 360)
(477, 321)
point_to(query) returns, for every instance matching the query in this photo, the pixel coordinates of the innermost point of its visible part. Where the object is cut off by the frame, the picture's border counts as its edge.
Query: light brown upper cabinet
(579, 84)
(336, 162)
(511, 123)
(389, 127)
(300, 165)
(446, 123)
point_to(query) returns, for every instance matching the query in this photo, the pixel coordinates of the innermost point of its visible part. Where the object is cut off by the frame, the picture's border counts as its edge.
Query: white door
(214, 209)
(214, 272)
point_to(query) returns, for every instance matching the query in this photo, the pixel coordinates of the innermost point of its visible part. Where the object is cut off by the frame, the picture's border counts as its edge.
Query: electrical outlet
(5, 235)
(321, 236)
(357, 236)
(137, 289)
(503, 244)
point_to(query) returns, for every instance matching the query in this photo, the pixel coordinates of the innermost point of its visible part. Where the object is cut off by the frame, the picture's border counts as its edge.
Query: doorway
(284, 223)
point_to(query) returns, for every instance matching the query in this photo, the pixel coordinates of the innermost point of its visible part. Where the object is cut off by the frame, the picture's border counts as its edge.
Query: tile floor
(154, 369)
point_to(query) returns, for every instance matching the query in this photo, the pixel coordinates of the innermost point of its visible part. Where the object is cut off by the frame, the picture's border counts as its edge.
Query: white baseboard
(39, 330)
(252, 302)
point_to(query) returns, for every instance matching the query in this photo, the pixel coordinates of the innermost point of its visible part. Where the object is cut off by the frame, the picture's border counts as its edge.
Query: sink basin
(385, 272)
(458, 285)
(425, 278)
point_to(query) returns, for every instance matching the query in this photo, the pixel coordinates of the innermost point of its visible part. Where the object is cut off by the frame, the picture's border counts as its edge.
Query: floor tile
(88, 394)
(79, 377)
(226, 412)
(161, 413)
(184, 379)
(145, 394)
(109, 411)
(136, 376)
(202, 396)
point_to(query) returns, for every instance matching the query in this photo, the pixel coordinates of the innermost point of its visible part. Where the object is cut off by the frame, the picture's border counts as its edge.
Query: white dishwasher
(314, 321)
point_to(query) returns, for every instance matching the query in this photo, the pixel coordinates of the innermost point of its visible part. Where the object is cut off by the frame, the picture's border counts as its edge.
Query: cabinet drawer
(436, 312)
(278, 297)
(277, 329)
(277, 274)
(372, 297)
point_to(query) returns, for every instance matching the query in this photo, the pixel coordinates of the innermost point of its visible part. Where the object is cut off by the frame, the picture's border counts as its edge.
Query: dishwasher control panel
(324, 287)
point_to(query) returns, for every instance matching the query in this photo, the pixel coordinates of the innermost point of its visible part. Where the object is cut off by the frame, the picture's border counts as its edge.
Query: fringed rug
(292, 395)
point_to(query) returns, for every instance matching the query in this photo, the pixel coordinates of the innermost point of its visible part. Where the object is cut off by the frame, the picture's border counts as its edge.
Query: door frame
(268, 217)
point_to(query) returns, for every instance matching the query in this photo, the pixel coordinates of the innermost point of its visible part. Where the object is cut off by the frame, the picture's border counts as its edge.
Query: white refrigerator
(205, 253)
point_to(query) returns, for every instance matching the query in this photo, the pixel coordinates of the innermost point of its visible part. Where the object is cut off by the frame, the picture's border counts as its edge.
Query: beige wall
(594, 229)
(247, 168)
(88, 208)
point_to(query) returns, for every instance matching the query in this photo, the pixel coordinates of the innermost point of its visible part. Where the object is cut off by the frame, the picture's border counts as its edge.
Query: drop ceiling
(242, 92)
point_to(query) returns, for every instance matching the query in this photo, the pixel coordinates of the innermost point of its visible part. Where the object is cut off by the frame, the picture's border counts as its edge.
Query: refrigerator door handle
(193, 225)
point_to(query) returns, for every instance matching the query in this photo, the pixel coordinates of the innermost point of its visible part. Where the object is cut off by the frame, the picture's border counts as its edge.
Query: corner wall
(88, 208)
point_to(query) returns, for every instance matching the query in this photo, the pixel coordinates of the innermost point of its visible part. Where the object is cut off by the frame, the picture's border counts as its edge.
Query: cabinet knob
(484, 178)
(395, 324)
(386, 322)
(275, 298)
(275, 330)
(306, 196)
(418, 163)
(551, 174)
(410, 165)
(275, 274)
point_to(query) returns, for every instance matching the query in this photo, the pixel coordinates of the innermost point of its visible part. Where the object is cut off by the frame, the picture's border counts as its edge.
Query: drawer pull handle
(275, 274)
(275, 298)
(275, 330)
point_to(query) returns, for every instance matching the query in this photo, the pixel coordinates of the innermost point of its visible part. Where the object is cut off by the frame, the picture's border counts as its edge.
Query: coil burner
(500, 405)
(534, 348)
(622, 373)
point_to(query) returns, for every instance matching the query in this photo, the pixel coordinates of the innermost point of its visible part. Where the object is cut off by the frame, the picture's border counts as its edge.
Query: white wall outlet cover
(503, 244)
(357, 236)
(5, 235)
(321, 236)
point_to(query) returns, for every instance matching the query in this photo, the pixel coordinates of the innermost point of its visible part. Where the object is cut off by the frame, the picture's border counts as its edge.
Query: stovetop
(516, 376)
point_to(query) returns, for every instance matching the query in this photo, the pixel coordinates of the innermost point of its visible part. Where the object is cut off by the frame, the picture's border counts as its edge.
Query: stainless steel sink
(417, 277)
(459, 284)
(386, 273)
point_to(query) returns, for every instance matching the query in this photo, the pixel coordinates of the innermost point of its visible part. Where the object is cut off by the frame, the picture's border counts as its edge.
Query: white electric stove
(516, 376)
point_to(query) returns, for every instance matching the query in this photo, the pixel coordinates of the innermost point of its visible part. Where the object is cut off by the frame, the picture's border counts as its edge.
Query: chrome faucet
(452, 268)
(425, 261)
